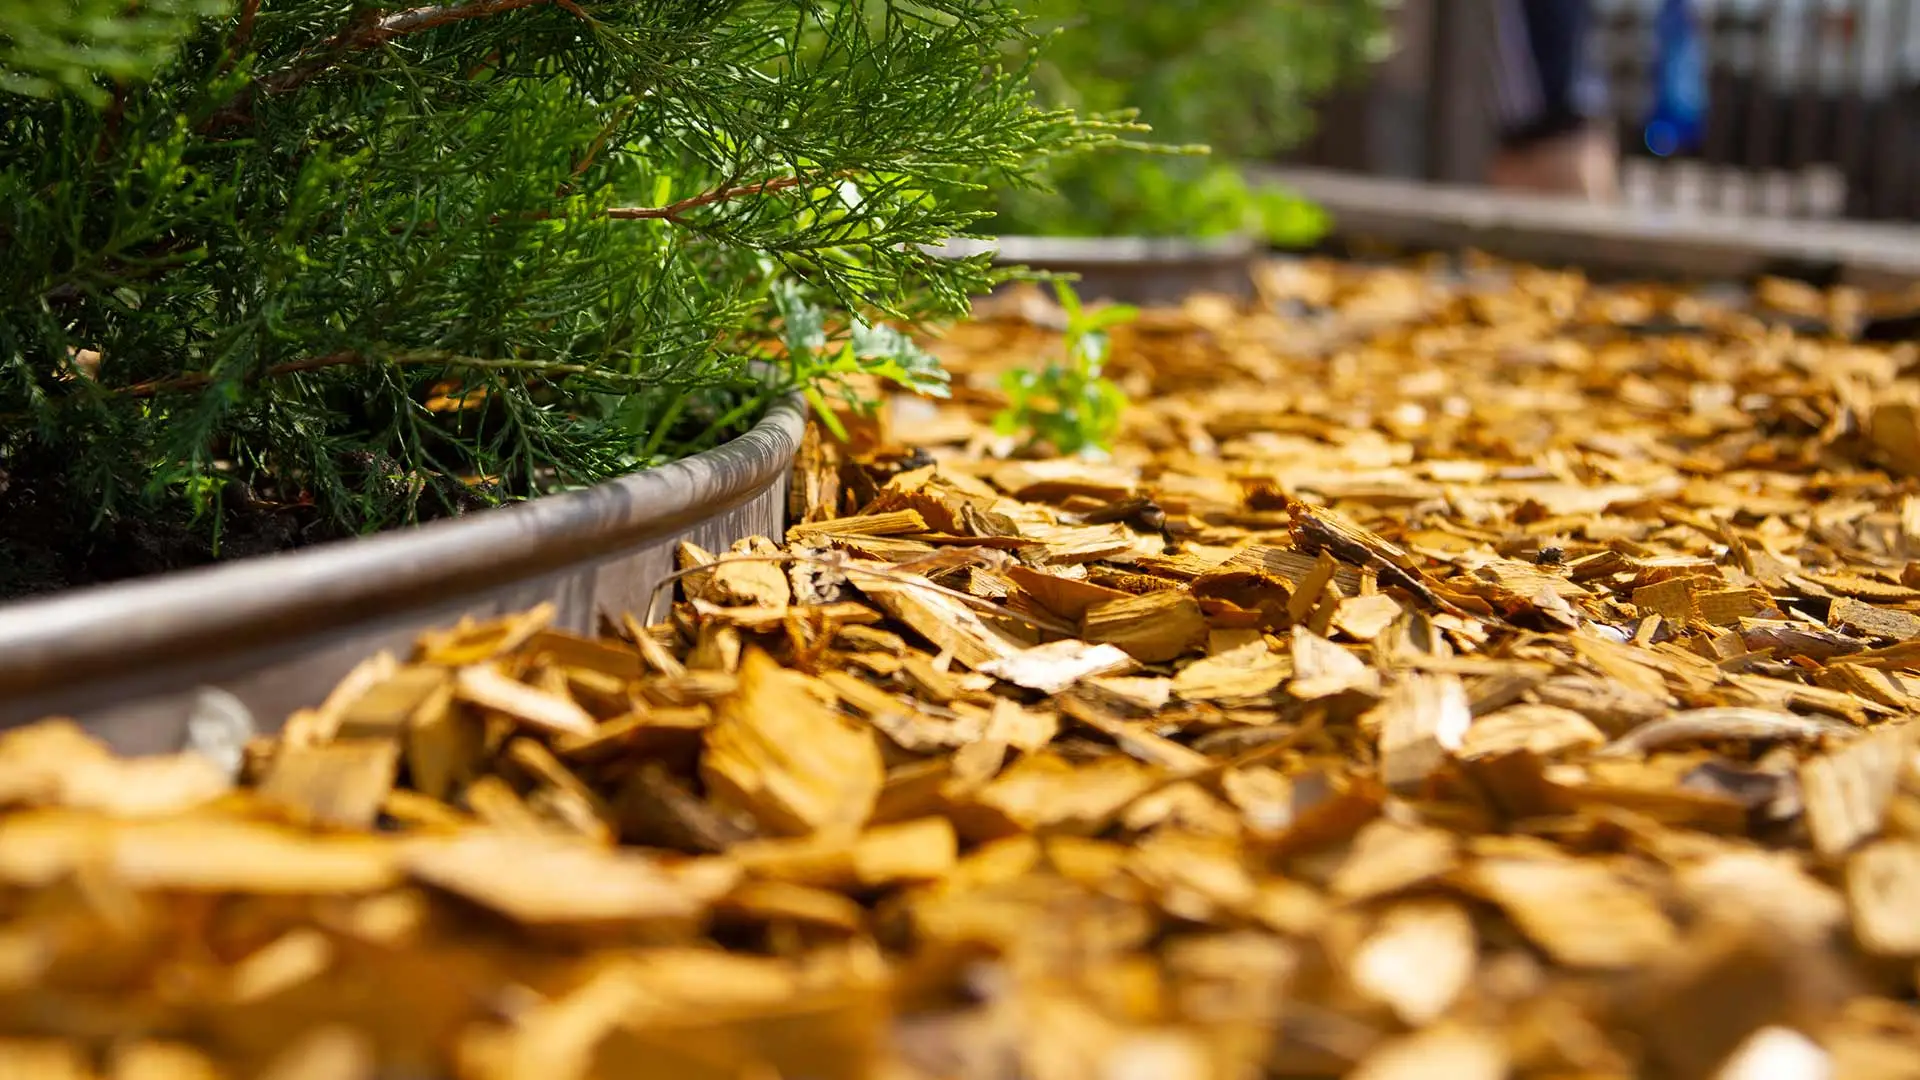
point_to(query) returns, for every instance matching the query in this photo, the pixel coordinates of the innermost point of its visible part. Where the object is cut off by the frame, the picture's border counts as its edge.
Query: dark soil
(50, 541)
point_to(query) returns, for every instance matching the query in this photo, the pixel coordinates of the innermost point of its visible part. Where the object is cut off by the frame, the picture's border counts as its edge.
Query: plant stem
(194, 380)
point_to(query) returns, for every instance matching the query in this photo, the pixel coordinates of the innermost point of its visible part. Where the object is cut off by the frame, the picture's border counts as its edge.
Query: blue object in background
(1680, 82)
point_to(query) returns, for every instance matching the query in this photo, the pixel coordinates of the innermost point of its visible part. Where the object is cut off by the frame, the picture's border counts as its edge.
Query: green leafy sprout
(1068, 404)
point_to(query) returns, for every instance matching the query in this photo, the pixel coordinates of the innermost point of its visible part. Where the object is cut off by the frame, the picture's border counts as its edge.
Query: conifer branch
(368, 34)
(196, 380)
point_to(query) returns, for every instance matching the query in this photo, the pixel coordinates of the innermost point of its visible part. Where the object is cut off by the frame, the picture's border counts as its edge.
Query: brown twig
(674, 211)
(196, 379)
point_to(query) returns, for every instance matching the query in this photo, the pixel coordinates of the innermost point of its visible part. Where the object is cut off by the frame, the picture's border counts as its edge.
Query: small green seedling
(1070, 406)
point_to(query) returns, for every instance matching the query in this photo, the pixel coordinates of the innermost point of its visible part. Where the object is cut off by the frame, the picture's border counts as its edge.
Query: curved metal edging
(61, 653)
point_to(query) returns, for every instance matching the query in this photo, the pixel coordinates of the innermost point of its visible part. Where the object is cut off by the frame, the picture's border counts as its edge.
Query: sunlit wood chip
(327, 1052)
(1044, 790)
(1139, 693)
(1546, 730)
(487, 687)
(949, 624)
(1770, 885)
(541, 881)
(1323, 669)
(1847, 792)
(446, 746)
(779, 753)
(386, 706)
(1152, 628)
(1364, 618)
(191, 854)
(338, 785)
(1423, 719)
(1580, 912)
(1249, 671)
(1416, 961)
(1883, 892)
(1389, 856)
(473, 643)
(1773, 1053)
(1058, 665)
(910, 851)
(747, 577)
(149, 1060)
(289, 960)
(1065, 597)
(890, 523)
(1457, 1053)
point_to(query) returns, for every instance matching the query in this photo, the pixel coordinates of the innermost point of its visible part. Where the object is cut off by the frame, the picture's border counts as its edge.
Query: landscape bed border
(132, 660)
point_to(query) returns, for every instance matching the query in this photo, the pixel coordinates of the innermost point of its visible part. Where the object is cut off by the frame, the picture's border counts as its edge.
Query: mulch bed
(1452, 675)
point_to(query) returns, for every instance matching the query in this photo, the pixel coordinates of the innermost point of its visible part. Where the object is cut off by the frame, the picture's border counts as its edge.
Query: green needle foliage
(1236, 76)
(364, 261)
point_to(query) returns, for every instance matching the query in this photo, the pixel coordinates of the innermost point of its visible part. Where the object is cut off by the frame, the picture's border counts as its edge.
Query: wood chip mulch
(1449, 675)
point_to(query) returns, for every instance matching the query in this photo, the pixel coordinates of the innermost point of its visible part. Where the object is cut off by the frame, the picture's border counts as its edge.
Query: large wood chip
(1249, 672)
(1583, 914)
(1423, 720)
(1883, 892)
(539, 882)
(1058, 665)
(778, 753)
(1417, 960)
(1153, 628)
(488, 688)
(1848, 791)
(341, 785)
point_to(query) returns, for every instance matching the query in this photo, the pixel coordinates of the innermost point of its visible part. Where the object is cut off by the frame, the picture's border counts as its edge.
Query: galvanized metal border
(130, 660)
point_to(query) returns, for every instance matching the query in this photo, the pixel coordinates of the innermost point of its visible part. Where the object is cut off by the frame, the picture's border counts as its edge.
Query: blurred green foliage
(1236, 76)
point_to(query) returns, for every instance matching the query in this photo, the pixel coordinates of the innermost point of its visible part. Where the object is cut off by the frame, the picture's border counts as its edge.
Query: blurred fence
(1814, 105)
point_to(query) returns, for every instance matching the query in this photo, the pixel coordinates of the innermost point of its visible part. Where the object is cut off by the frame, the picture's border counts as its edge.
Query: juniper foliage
(380, 261)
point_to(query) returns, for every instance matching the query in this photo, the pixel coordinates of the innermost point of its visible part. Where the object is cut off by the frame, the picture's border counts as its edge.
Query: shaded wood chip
(1726, 722)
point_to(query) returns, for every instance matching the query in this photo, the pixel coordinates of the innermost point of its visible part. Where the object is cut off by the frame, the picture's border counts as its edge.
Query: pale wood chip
(338, 785)
(487, 687)
(1847, 792)
(1322, 669)
(1419, 957)
(1421, 722)
(1883, 892)
(1458, 1053)
(1058, 665)
(1580, 912)
(1389, 856)
(1248, 672)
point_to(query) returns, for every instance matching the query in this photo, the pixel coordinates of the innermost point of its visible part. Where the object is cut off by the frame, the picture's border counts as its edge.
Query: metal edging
(69, 638)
